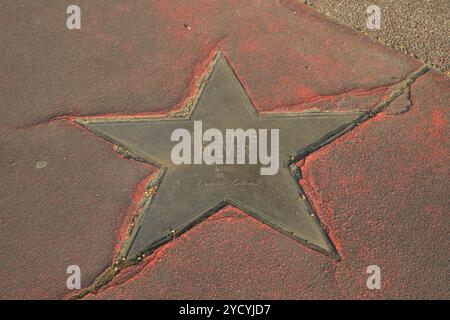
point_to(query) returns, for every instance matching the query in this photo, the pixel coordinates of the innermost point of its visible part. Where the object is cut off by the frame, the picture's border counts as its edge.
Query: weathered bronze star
(189, 193)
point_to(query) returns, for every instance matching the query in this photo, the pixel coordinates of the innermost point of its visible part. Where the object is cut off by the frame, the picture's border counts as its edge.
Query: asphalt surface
(420, 28)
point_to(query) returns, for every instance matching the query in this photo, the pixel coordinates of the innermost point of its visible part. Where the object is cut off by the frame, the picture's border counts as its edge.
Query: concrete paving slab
(135, 57)
(55, 212)
(67, 198)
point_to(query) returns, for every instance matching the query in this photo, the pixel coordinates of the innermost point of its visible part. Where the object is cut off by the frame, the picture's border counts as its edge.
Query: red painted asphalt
(381, 190)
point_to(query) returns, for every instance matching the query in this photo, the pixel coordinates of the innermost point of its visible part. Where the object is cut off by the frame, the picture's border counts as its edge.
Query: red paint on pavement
(380, 205)
(380, 190)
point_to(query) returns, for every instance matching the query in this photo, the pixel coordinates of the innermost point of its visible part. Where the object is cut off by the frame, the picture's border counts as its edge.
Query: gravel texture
(420, 28)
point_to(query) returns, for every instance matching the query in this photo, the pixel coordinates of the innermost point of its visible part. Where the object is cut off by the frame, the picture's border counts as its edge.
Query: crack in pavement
(401, 105)
(333, 98)
(397, 91)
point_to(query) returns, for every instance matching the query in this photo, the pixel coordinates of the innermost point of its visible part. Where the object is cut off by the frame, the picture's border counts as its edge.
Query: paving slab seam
(122, 263)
